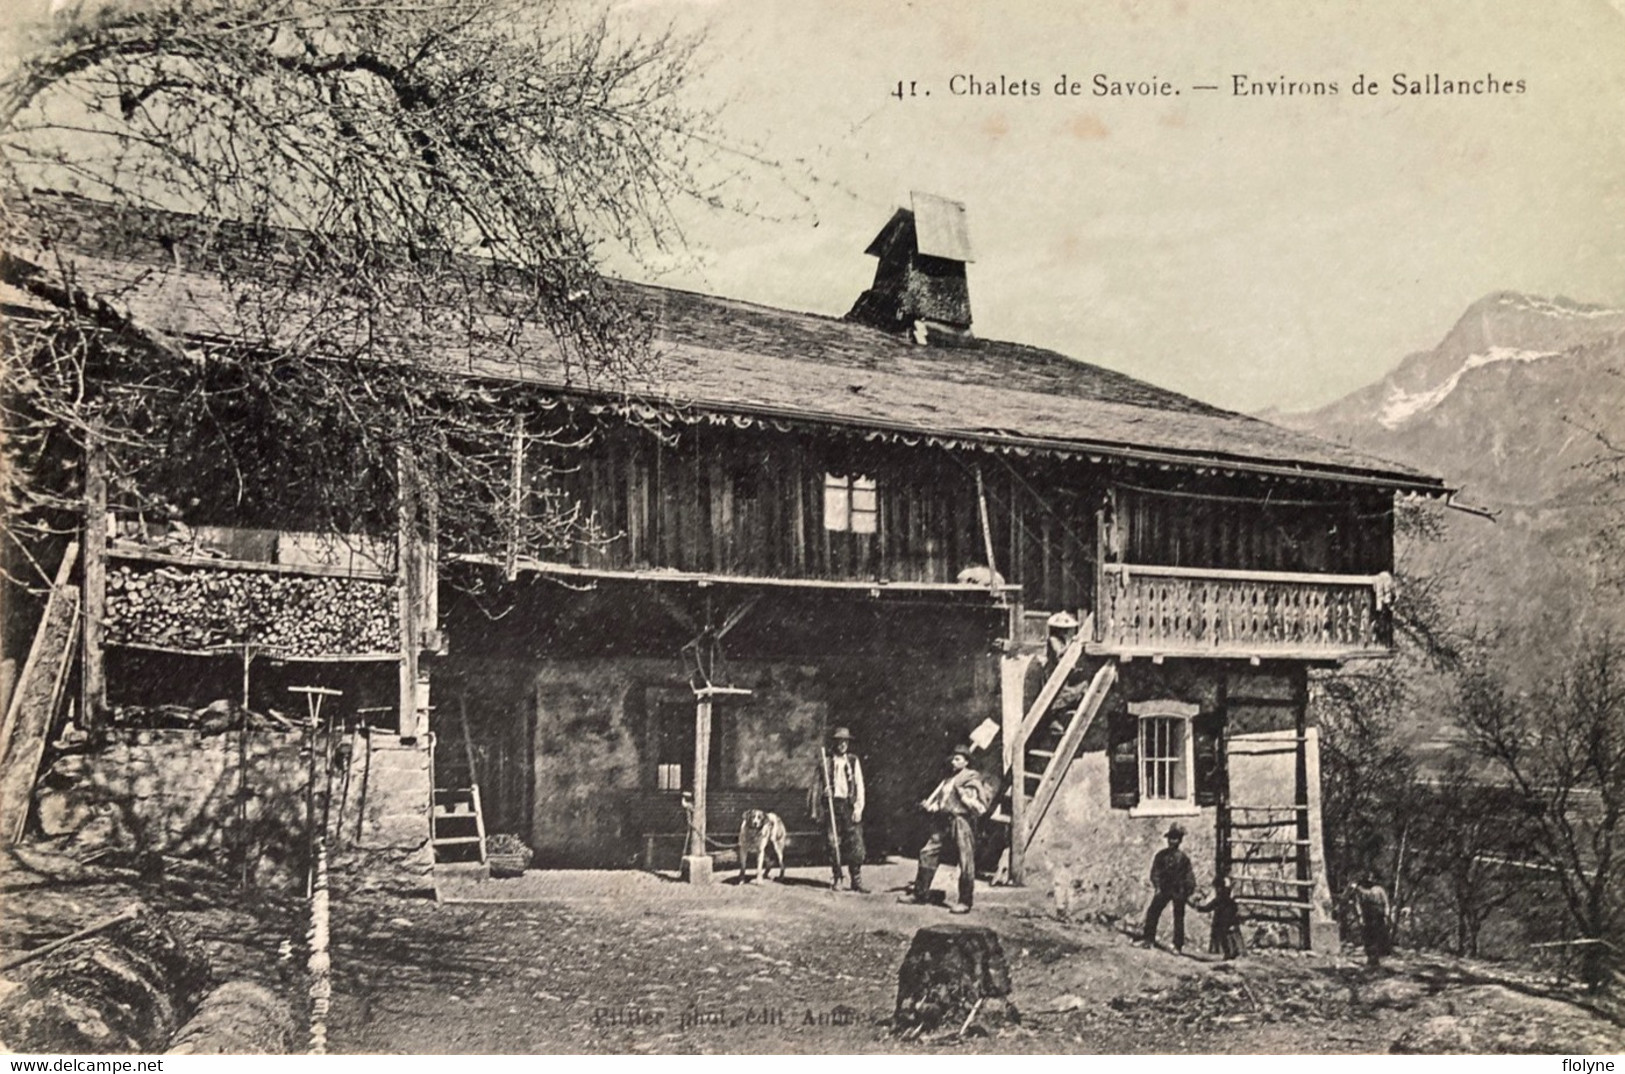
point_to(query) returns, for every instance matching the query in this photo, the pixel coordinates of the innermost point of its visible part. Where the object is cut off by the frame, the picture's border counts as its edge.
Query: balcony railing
(1189, 611)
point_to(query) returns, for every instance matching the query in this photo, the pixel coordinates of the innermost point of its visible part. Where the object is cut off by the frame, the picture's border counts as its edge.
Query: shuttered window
(1163, 772)
(1164, 756)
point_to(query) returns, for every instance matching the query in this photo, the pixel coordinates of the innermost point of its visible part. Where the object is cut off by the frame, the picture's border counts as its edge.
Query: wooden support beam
(1301, 801)
(34, 702)
(516, 498)
(987, 530)
(93, 677)
(1012, 677)
(702, 768)
(737, 614)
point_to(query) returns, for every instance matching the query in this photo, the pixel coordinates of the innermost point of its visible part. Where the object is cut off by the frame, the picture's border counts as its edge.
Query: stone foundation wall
(188, 794)
(243, 805)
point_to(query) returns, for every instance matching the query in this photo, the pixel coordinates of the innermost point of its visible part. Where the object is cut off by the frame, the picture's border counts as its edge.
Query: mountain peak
(1496, 405)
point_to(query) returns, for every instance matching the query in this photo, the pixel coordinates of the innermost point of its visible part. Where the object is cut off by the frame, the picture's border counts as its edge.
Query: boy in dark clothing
(1225, 938)
(1370, 899)
(1174, 881)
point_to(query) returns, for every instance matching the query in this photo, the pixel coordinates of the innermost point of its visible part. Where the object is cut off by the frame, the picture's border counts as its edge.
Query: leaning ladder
(459, 818)
(1264, 854)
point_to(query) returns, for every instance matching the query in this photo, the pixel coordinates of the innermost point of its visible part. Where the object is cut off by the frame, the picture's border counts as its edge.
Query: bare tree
(1468, 854)
(1367, 779)
(368, 201)
(1562, 749)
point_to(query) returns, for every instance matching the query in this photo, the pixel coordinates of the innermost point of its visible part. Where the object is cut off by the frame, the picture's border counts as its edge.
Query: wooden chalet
(865, 521)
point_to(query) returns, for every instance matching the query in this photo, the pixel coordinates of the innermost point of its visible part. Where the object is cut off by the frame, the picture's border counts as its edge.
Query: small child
(1225, 938)
(1369, 900)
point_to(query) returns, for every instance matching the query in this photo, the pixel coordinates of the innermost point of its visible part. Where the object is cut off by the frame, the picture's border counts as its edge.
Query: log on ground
(126, 989)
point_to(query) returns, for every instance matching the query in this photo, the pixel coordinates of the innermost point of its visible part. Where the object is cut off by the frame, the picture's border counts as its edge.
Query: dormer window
(850, 504)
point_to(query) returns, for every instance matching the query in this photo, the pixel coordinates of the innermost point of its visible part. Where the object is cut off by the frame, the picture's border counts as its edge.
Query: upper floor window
(850, 504)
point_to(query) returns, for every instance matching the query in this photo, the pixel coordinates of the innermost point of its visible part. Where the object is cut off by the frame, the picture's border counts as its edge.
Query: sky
(1253, 251)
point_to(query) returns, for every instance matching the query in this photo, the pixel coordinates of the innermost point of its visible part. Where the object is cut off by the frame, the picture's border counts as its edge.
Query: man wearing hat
(1174, 881)
(954, 805)
(838, 786)
(1060, 628)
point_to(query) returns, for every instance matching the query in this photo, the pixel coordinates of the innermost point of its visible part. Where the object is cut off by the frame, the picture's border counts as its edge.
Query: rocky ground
(630, 962)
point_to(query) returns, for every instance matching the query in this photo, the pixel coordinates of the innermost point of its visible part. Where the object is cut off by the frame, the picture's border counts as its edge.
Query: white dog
(760, 829)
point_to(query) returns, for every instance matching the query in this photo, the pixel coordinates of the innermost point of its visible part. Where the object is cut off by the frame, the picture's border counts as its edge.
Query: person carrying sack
(955, 804)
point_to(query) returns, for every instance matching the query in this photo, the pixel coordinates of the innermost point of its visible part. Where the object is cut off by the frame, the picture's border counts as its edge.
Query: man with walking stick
(837, 804)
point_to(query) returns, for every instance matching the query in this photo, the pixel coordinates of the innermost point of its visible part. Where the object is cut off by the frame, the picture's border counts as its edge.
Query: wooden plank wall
(1271, 533)
(734, 501)
(746, 502)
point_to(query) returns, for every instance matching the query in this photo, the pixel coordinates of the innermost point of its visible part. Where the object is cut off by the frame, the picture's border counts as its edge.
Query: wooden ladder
(458, 818)
(1264, 854)
(459, 824)
(1058, 757)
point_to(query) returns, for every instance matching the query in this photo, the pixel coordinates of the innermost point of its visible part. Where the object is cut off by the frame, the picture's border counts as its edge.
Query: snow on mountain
(1511, 408)
(1402, 405)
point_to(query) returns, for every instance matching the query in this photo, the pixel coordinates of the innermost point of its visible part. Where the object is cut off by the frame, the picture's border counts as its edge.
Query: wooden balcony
(1194, 612)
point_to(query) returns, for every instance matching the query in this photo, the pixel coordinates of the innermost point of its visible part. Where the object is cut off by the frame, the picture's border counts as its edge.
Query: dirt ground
(633, 962)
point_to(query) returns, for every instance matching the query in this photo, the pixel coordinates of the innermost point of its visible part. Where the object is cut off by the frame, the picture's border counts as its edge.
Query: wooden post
(1013, 677)
(987, 531)
(1300, 798)
(516, 499)
(696, 862)
(1013, 710)
(702, 769)
(406, 585)
(93, 680)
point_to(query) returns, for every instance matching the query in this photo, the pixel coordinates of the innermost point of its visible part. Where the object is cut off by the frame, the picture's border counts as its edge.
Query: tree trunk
(952, 973)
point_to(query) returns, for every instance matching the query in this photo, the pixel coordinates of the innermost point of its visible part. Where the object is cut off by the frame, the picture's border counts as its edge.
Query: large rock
(126, 989)
(1442, 1034)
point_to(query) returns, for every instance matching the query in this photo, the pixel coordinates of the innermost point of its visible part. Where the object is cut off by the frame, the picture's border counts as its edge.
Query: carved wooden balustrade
(1187, 611)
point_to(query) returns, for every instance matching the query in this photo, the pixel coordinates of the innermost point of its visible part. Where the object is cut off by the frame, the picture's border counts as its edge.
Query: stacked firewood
(201, 609)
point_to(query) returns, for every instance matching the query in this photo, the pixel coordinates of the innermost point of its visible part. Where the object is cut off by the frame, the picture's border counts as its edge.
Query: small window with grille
(851, 503)
(1165, 757)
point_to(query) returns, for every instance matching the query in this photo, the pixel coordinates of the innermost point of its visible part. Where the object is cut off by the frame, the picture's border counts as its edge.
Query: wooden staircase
(1043, 748)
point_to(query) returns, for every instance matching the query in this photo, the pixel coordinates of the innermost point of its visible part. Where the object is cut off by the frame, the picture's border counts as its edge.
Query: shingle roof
(719, 354)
